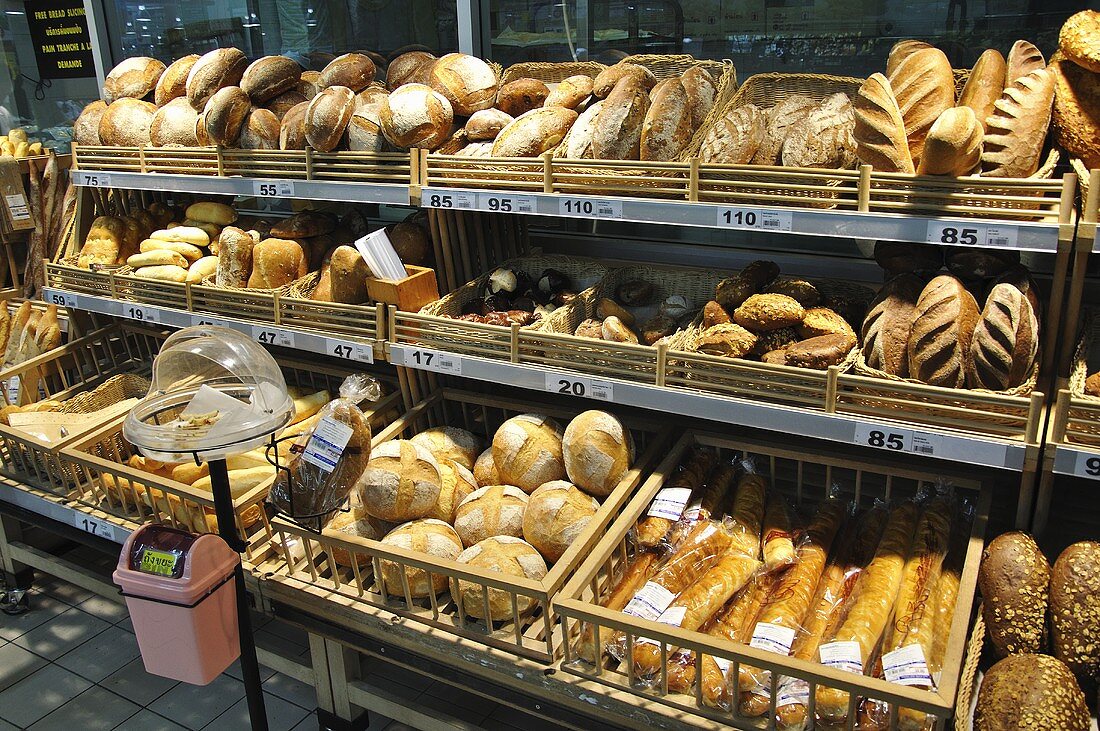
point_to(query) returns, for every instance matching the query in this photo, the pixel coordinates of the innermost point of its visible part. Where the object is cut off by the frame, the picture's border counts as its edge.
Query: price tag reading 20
(568, 385)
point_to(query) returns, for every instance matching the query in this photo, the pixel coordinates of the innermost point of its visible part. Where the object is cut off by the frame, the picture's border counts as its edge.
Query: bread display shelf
(954, 424)
(1075, 422)
(46, 504)
(805, 476)
(528, 634)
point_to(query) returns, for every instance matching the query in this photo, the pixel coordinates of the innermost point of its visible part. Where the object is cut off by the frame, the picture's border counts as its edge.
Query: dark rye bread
(1030, 692)
(1005, 342)
(1014, 578)
(1075, 609)
(888, 323)
(939, 343)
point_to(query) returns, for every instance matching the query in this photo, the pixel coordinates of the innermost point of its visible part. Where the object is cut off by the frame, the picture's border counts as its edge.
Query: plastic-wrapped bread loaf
(707, 504)
(652, 528)
(747, 513)
(636, 574)
(735, 626)
(777, 545)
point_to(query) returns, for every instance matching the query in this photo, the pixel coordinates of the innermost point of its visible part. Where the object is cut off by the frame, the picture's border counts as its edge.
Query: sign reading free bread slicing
(59, 32)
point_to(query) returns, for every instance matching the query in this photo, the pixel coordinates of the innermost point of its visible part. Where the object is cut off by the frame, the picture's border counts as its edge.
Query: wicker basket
(1082, 171)
(551, 73)
(968, 681)
(110, 392)
(1024, 389)
(1079, 370)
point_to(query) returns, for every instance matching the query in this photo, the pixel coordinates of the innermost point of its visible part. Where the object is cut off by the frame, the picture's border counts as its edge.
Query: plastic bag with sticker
(694, 478)
(328, 455)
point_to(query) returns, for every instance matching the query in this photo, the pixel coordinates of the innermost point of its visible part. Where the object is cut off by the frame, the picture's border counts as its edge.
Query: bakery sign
(59, 32)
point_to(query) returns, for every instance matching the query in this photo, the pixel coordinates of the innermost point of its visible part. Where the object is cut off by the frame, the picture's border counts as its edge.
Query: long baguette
(652, 529)
(776, 545)
(636, 573)
(716, 690)
(705, 505)
(922, 571)
(747, 513)
(872, 602)
(18, 325)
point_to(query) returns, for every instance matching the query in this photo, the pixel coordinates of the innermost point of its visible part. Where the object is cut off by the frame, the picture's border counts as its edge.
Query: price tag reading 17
(272, 336)
(754, 218)
(580, 386)
(273, 188)
(1088, 465)
(433, 360)
(588, 208)
(94, 526)
(506, 203)
(964, 233)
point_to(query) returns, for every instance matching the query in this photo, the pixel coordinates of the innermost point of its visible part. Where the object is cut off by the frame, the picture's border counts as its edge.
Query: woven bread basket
(551, 73)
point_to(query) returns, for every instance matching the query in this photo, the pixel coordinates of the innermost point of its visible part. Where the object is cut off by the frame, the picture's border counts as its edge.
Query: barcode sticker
(967, 233)
(907, 666)
(669, 503)
(772, 637)
(650, 601)
(792, 691)
(17, 207)
(723, 664)
(673, 616)
(924, 443)
(844, 655)
(327, 444)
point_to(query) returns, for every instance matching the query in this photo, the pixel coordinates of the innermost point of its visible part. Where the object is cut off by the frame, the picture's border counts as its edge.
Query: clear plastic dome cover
(214, 393)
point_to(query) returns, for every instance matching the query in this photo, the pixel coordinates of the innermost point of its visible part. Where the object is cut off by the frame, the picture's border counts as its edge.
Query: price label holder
(17, 216)
(499, 203)
(450, 199)
(1087, 466)
(569, 385)
(893, 439)
(433, 360)
(207, 320)
(755, 219)
(141, 313)
(273, 188)
(359, 352)
(94, 526)
(965, 233)
(272, 336)
(93, 180)
(590, 208)
(61, 299)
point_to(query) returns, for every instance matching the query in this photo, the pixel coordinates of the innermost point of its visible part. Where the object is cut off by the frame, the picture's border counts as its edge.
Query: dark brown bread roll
(1075, 609)
(225, 113)
(897, 257)
(888, 323)
(970, 263)
(303, 225)
(521, 95)
(939, 343)
(1014, 578)
(173, 82)
(820, 352)
(1006, 341)
(215, 70)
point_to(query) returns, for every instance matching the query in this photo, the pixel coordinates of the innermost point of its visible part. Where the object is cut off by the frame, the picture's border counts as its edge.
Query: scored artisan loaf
(174, 124)
(879, 131)
(924, 86)
(667, 127)
(467, 82)
(428, 536)
(533, 133)
(353, 70)
(504, 555)
(414, 67)
(578, 141)
(1030, 692)
(521, 96)
(86, 126)
(1079, 39)
(598, 451)
(327, 117)
(269, 76)
(494, 510)
(277, 263)
(778, 120)
(1023, 58)
(401, 482)
(570, 93)
(260, 130)
(527, 450)
(234, 258)
(225, 113)
(134, 77)
(823, 138)
(556, 515)
(1075, 609)
(610, 77)
(214, 70)
(348, 273)
(126, 123)
(1014, 578)
(456, 484)
(735, 138)
(939, 343)
(365, 130)
(701, 89)
(172, 84)
(888, 323)
(1006, 341)
(901, 51)
(486, 124)
(416, 115)
(1076, 117)
(286, 101)
(985, 84)
(450, 443)
(617, 133)
(953, 145)
(1017, 128)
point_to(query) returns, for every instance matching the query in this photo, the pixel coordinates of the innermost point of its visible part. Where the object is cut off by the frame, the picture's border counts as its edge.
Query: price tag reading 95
(433, 360)
(588, 208)
(754, 218)
(580, 386)
(141, 314)
(498, 203)
(452, 199)
(964, 233)
(272, 336)
(94, 180)
(1088, 466)
(360, 352)
(273, 188)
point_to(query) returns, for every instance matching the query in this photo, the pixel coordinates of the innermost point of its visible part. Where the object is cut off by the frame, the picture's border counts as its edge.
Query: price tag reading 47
(754, 218)
(965, 233)
(272, 336)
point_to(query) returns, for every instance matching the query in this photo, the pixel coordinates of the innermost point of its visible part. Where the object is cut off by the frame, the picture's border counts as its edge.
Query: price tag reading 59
(1088, 465)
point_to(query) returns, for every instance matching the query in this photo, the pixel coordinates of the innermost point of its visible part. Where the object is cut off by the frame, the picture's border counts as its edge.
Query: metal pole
(250, 667)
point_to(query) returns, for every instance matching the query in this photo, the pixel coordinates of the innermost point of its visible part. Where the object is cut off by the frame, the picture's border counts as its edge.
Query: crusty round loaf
(173, 82)
(502, 554)
(485, 469)
(373, 95)
(467, 82)
(327, 117)
(493, 510)
(533, 133)
(260, 130)
(486, 124)
(570, 93)
(214, 70)
(1030, 692)
(277, 263)
(1076, 116)
(134, 77)
(401, 482)
(1014, 578)
(365, 130)
(414, 67)
(309, 85)
(354, 522)
(450, 442)
(1079, 39)
(428, 536)
(292, 128)
(286, 101)
(520, 96)
(610, 76)
(557, 513)
(225, 113)
(174, 124)
(953, 145)
(353, 70)
(598, 450)
(735, 138)
(823, 138)
(527, 450)
(126, 123)
(416, 115)
(456, 485)
(1075, 609)
(762, 312)
(268, 77)
(411, 242)
(86, 126)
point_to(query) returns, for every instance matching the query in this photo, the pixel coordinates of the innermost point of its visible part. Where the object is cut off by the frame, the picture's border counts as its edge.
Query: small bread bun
(486, 124)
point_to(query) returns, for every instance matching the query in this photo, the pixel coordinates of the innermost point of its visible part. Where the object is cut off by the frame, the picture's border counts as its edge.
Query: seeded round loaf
(268, 77)
(457, 483)
(505, 555)
(1075, 609)
(726, 339)
(401, 482)
(556, 515)
(1030, 692)
(527, 450)
(1079, 39)
(494, 510)
(126, 123)
(174, 124)
(1014, 579)
(214, 70)
(485, 469)
(416, 115)
(823, 321)
(431, 537)
(598, 451)
(134, 77)
(467, 82)
(173, 82)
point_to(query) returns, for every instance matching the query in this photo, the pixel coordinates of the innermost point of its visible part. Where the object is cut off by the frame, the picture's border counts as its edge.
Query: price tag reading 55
(273, 189)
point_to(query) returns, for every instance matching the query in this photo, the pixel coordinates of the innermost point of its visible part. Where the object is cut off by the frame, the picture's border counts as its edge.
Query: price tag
(881, 437)
(1088, 465)
(907, 666)
(205, 320)
(141, 313)
(772, 637)
(844, 655)
(754, 218)
(433, 360)
(453, 199)
(12, 386)
(272, 336)
(649, 602)
(580, 386)
(17, 207)
(964, 233)
(273, 188)
(93, 180)
(588, 208)
(95, 526)
(360, 352)
(498, 203)
(61, 299)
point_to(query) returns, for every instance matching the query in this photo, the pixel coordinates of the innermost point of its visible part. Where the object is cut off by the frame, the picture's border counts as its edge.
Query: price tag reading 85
(964, 233)
(451, 199)
(882, 437)
(1088, 466)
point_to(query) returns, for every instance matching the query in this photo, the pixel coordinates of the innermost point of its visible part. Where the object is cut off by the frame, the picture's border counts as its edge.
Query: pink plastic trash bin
(180, 594)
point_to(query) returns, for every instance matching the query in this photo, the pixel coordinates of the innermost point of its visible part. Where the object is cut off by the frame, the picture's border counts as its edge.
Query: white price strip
(61, 299)
(897, 440)
(94, 526)
(141, 313)
(498, 203)
(433, 360)
(17, 207)
(588, 208)
(580, 386)
(272, 336)
(273, 188)
(964, 233)
(206, 320)
(361, 352)
(755, 219)
(453, 199)
(94, 180)
(1087, 466)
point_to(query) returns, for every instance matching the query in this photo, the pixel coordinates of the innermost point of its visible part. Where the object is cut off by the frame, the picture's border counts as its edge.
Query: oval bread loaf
(888, 323)
(1075, 609)
(505, 555)
(1016, 131)
(762, 312)
(1076, 115)
(901, 51)
(527, 450)
(823, 138)
(667, 127)
(608, 79)
(598, 451)
(134, 77)
(556, 515)
(578, 141)
(879, 130)
(570, 93)
(164, 272)
(327, 117)
(1023, 58)
(260, 130)
(487, 124)
(701, 89)
(188, 251)
(1030, 692)
(225, 113)
(172, 84)
(174, 124)
(292, 128)
(431, 537)
(1014, 578)
(494, 510)
(214, 70)
(778, 120)
(617, 133)
(201, 269)
(268, 77)
(939, 343)
(353, 70)
(234, 258)
(1006, 341)
(211, 212)
(535, 132)
(953, 145)
(416, 115)
(735, 138)
(467, 82)
(521, 96)
(924, 86)
(401, 482)
(985, 84)
(126, 123)
(157, 257)
(276, 263)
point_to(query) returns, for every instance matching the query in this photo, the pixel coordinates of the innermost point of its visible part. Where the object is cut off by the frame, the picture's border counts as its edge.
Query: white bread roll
(211, 212)
(527, 450)
(401, 482)
(598, 451)
(557, 513)
(428, 536)
(506, 555)
(494, 510)
(165, 272)
(190, 252)
(485, 469)
(157, 257)
(185, 234)
(456, 484)
(468, 83)
(201, 269)
(416, 115)
(450, 442)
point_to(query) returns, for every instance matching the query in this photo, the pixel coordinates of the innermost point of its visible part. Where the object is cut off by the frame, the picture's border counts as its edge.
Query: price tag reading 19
(506, 203)
(273, 188)
(141, 314)
(589, 208)
(1088, 465)
(752, 218)
(580, 386)
(272, 336)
